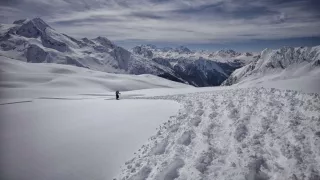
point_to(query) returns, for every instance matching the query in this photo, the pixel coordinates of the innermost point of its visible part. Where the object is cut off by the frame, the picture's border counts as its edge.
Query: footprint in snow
(171, 172)
(195, 121)
(203, 162)
(142, 174)
(240, 132)
(186, 138)
(199, 112)
(160, 148)
(213, 115)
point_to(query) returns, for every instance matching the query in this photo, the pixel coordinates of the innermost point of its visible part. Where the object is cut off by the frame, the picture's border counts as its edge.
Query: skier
(117, 95)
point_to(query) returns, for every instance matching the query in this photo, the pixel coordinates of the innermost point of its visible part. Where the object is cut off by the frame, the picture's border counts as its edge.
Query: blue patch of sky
(245, 46)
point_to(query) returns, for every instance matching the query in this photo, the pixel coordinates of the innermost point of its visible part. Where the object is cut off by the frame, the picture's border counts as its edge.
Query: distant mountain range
(151, 51)
(198, 68)
(35, 41)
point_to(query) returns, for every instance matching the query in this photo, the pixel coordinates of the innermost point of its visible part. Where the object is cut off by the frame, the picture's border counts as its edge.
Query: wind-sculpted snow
(253, 134)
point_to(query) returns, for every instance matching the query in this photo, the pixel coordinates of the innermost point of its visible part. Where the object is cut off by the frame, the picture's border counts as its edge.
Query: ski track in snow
(237, 134)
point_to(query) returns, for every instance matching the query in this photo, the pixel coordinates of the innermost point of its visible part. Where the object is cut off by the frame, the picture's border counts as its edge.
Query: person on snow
(117, 95)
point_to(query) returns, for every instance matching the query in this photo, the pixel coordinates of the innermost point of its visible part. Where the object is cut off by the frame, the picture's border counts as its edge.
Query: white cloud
(182, 21)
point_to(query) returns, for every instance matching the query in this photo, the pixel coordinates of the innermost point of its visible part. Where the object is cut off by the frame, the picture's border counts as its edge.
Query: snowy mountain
(36, 42)
(223, 56)
(198, 68)
(281, 64)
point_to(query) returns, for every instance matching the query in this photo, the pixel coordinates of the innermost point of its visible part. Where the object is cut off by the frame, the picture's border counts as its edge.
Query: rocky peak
(150, 46)
(182, 49)
(31, 28)
(104, 42)
(143, 50)
(20, 21)
(228, 52)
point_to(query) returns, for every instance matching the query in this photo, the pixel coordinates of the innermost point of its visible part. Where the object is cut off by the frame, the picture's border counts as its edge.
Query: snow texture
(249, 133)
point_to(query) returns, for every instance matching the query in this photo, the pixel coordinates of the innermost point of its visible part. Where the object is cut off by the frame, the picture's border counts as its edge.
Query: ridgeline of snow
(25, 80)
(249, 133)
(300, 66)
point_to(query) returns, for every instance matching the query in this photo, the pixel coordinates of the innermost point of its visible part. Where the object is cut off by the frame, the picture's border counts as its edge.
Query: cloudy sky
(199, 24)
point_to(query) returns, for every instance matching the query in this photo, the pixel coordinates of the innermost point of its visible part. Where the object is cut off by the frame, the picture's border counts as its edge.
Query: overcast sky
(199, 24)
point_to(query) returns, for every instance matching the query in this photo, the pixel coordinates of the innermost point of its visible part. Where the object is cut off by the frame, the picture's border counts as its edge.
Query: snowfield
(75, 139)
(62, 122)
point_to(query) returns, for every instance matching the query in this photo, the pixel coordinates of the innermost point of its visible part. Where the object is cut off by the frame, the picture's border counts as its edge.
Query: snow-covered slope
(249, 133)
(26, 80)
(280, 66)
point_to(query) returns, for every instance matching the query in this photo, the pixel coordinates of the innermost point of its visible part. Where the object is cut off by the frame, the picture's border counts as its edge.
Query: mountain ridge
(283, 63)
(224, 55)
(35, 41)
